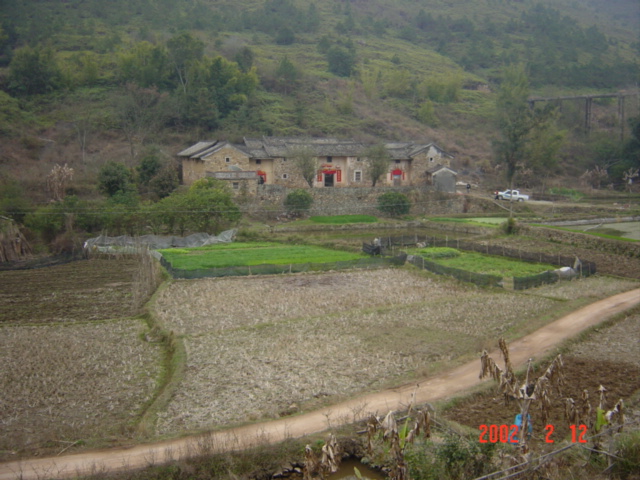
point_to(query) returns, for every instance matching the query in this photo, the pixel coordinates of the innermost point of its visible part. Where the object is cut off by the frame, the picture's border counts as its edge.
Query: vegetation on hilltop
(86, 83)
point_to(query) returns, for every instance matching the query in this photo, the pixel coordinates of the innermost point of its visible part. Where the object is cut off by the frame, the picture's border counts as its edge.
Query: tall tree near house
(185, 52)
(305, 162)
(84, 127)
(545, 142)
(514, 120)
(378, 159)
(141, 111)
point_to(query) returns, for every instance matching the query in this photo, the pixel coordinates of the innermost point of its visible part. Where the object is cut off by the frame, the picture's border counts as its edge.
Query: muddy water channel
(346, 471)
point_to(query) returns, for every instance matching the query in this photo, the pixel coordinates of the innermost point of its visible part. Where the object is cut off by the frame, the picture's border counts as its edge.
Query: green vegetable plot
(239, 254)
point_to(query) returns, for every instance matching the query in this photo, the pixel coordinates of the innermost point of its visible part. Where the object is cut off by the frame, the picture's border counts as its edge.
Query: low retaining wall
(583, 240)
(364, 201)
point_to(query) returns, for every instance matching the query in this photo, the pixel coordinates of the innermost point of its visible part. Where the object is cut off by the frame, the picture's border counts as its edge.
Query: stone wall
(364, 201)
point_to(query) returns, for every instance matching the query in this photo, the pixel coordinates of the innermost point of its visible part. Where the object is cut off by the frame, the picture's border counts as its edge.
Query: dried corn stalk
(311, 464)
(318, 468)
(57, 181)
(397, 440)
(330, 459)
(538, 391)
(616, 414)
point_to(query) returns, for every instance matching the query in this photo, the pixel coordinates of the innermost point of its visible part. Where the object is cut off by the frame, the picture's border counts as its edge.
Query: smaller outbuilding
(442, 178)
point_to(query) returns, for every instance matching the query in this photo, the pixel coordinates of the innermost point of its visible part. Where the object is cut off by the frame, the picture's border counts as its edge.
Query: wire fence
(585, 268)
(266, 269)
(480, 279)
(576, 267)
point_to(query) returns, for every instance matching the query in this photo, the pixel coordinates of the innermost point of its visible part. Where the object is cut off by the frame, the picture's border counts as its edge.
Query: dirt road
(539, 343)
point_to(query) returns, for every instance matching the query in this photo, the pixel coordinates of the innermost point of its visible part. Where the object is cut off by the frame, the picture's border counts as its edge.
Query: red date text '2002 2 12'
(509, 433)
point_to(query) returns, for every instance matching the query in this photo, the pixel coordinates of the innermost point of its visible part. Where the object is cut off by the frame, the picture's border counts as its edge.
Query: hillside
(86, 82)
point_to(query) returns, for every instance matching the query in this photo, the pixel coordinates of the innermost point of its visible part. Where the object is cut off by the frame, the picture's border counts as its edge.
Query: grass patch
(439, 252)
(572, 193)
(486, 264)
(246, 254)
(606, 232)
(343, 219)
(479, 221)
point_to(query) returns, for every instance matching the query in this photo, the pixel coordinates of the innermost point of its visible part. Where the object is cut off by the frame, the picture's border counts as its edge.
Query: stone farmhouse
(339, 163)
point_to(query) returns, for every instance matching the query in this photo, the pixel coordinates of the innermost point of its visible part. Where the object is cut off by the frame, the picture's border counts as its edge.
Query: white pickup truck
(511, 195)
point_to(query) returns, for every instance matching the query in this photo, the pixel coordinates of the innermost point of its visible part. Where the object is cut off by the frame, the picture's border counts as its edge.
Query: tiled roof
(282, 147)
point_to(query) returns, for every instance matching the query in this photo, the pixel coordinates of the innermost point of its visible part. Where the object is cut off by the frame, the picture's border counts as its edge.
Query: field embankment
(76, 369)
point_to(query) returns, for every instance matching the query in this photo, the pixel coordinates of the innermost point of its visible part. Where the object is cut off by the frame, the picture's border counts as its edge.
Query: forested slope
(88, 81)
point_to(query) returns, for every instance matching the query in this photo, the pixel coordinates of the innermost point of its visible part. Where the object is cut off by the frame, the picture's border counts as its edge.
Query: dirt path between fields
(540, 343)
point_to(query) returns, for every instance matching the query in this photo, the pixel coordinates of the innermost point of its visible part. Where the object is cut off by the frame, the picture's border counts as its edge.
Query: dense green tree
(427, 114)
(33, 71)
(424, 20)
(185, 52)
(223, 86)
(378, 159)
(148, 168)
(165, 181)
(207, 206)
(324, 44)
(244, 58)
(628, 162)
(342, 61)
(145, 65)
(394, 204)
(12, 118)
(57, 218)
(122, 213)
(544, 144)
(313, 18)
(285, 36)
(13, 201)
(287, 75)
(114, 178)
(298, 202)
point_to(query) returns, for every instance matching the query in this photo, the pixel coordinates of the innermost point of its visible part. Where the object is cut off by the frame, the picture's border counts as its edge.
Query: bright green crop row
(242, 254)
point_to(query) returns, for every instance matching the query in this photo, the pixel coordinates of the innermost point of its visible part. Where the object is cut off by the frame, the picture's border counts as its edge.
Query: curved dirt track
(539, 343)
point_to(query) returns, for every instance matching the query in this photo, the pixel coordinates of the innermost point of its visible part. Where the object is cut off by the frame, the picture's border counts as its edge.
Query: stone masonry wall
(364, 201)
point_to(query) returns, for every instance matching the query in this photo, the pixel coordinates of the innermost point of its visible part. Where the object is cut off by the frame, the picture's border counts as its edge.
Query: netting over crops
(124, 242)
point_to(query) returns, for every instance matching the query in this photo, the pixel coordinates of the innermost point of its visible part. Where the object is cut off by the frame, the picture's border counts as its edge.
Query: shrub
(114, 177)
(439, 252)
(394, 204)
(298, 202)
(510, 227)
(628, 461)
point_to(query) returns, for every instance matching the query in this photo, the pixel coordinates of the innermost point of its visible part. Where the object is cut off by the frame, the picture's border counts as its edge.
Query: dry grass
(269, 346)
(81, 382)
(618, 343)
(594, 287)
